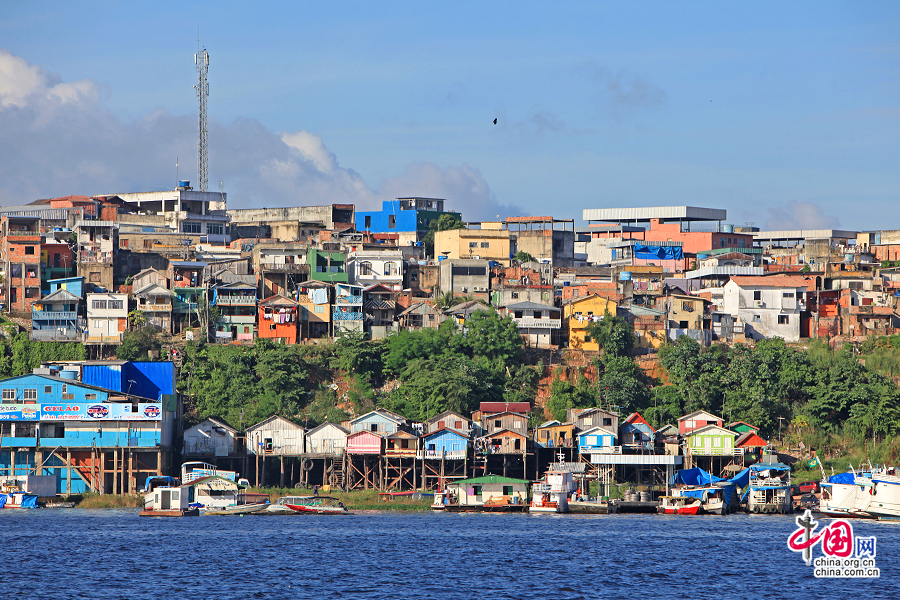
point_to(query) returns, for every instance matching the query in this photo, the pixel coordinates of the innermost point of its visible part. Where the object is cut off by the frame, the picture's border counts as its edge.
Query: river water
(74, 553)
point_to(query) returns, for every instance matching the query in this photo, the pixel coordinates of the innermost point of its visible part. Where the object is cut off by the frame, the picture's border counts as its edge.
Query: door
(165, 500)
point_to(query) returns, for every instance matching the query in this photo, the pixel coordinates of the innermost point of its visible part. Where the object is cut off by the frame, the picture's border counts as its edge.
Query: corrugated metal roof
(645, 213)
(531, 306)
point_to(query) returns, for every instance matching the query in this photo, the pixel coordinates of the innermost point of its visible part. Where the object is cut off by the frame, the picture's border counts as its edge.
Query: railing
(348, 300)
(54, 335)
(542, 323)
(601, 449)
(441, 454)
(299, 267)
(348, 316)
(156, 308)
(91, 257)
(237, 319)
(103, 339)
(225, 299)
(54, 315)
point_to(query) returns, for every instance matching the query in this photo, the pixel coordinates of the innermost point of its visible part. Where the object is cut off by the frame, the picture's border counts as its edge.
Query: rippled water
(114, 554)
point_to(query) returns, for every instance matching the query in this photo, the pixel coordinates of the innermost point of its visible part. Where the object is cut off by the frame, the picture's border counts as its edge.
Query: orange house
(279, 319)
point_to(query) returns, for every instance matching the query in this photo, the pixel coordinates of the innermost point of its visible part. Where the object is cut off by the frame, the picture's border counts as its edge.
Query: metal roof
(530, 306)
(646, 213)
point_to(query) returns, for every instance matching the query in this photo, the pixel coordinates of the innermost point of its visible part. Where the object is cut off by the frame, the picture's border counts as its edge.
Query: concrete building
(288, 224)
(107, 318)
(544, 238)
(368, 267)
(407, 217)
(539, 324)
(768, 306)
(490, 241)
(465, 277)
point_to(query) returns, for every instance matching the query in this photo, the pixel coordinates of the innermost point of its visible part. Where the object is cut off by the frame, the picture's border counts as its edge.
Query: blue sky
(785, 114)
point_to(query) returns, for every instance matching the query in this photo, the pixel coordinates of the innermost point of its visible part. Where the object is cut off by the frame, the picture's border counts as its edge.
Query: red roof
(780, 281)
(637, 418)
(499, 407)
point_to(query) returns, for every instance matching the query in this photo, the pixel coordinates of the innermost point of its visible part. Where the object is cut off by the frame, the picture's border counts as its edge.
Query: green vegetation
(107, 501)
(523, 257)
(19, 355)
(445, 222)
(354, 500)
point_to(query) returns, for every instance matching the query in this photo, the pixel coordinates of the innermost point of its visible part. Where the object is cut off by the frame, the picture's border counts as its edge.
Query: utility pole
(780, 419)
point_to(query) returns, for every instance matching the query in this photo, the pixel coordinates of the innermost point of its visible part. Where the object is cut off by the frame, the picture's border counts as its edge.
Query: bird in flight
(495, 121)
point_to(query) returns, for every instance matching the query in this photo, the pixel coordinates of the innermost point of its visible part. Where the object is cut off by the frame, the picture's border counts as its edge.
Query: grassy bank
(107, 501)
(354, 500)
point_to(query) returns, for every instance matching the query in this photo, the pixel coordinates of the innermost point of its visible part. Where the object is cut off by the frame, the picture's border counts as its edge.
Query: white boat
(872, 494)
(319, 505)
(280, 506)
(552, 494)
(712, 498)
(769, 490)
(238, 509)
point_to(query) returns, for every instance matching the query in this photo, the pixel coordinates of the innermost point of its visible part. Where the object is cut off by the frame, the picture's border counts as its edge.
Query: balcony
(532, 323)
(283, 267)
(103, 339)
(55, 335)
(238, 319)
(231, 300)
(54, 315)
(441, 454)
(349, 300)
(348, 316)
(96, 258)
(155, 308)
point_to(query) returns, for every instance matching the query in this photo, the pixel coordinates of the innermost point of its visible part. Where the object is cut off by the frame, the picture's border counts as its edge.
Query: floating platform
(635, 507)
(592, 508)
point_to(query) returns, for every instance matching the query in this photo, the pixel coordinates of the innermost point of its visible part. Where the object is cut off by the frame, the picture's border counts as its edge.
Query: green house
(711, 440)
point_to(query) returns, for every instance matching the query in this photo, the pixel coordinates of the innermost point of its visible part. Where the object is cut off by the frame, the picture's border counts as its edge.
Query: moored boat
(552, 494)
(18, 500)
(769, 490)
(318, 505)
(238, 509)
(579, 507)
(172, 501)
(679, 505)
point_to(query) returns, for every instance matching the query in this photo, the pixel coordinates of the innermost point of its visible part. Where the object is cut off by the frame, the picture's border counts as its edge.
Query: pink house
(696, 420)
(365, 442)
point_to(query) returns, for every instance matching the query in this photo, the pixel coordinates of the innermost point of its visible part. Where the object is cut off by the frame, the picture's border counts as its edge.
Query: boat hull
(186, 512)
(500, 508)
(591, 508)
(318, 510)
(679, 510)
(240, 509)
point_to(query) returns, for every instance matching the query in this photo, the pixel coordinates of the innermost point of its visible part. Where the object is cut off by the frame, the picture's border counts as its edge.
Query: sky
(785, 114)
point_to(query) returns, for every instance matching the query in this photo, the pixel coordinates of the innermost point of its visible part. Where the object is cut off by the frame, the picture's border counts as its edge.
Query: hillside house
(275, 436)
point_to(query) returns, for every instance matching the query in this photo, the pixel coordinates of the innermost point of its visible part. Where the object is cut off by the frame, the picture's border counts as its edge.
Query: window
(319, 309)
(517, 425)
(48, 389)
(607, 422)
(373, 427)
(756, 319)
(215, 229)
(365, 268)
(29, 249)
(476, 489)
(368, 222)
(457, 424)
(497, 423)
(717, 442)
(116, 305)
(517, 314)
(788, 295)
(404, 444)
(757, 295)
(515, 295)
(392, 221)
(784, 320)
(517, 445)
(98, 304)
(485, 244)
(391, 268)
(473, 244)
(30, 394)
(90, 396)
(191, 227)
(95, 277)
(123, 243)
(15, 271)
(31, 271)
(32, 292)
(507, 490)
(9, 396)
(688, 306)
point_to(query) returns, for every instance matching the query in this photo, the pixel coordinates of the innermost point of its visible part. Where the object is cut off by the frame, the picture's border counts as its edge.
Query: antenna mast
(201, 59)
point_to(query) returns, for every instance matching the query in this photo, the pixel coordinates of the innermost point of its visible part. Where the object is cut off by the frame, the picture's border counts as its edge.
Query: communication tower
(201, 59)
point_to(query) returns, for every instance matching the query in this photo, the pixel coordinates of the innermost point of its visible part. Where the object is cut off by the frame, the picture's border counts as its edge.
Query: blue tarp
(2, 500)
(742, 479)
(848, 478)
(658, 252)
(770, 467)
(695, 476)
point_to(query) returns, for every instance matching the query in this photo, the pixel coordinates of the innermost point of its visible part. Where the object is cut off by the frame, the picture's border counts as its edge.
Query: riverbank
(354, 500)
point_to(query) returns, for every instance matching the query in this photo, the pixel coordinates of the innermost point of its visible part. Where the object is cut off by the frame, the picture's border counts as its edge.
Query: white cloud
(800, 215)
(56, 139)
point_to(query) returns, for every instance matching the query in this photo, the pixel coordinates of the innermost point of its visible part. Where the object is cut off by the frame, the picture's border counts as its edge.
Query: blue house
(637, 433)
(89, 438)
(378, 421)
(598, 441)
(444, 443)
(403, 215)
(56, 318)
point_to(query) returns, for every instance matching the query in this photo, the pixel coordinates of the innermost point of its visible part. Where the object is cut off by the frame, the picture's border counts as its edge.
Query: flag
(814, 463)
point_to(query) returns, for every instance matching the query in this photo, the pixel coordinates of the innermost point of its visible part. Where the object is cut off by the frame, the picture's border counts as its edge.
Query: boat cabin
(491, 489)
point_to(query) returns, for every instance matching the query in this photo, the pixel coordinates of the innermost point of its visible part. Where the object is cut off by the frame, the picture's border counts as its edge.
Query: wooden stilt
(282, 471)
(69, 472)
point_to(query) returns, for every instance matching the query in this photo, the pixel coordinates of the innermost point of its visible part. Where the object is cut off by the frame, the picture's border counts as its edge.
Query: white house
(210, 437)
(107, 317)
(369, 267)
(275, 436)
(768, 306)
(538, 324)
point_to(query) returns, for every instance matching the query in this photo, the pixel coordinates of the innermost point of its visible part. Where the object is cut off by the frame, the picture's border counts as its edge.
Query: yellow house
(581, 312)
(685, 312)
(485, 243)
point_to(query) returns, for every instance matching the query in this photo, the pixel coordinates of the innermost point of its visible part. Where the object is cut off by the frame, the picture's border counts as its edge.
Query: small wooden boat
(237, 509)
(318, 505)
(678, 505)
(172, 501)
(591, 508)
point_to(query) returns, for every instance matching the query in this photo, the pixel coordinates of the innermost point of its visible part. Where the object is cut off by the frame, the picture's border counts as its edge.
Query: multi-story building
(539, 324)
(768, 306)
(410, 218)
(107, 318)
(280, 267)
(97, 245)
(288, 224)
(20, 247)
(235, 298)
(348, 308)
(57, 317)
(546, 239)
(327, 265)
(189, 285)
(370, 267)
(465, 276)
(315, 300)
(491, 241)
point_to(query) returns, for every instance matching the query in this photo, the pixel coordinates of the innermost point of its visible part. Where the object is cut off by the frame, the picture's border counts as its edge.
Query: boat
(591, 507)
(18, 500)
(679, 505)
(175, 501)
(715, 499)
(318, 505)
(489, 493)
(237, 509)
(440, 497)
(872, 493)
(552, 494)
(769, 489)
(59, 505)
(279, 507)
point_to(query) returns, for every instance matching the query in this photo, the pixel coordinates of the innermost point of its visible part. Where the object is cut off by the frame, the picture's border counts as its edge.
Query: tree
(622, 384)
(445, 222)
(613, 334)
(137, 342)
(489, 335)
(523, 257)
(354, 354)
